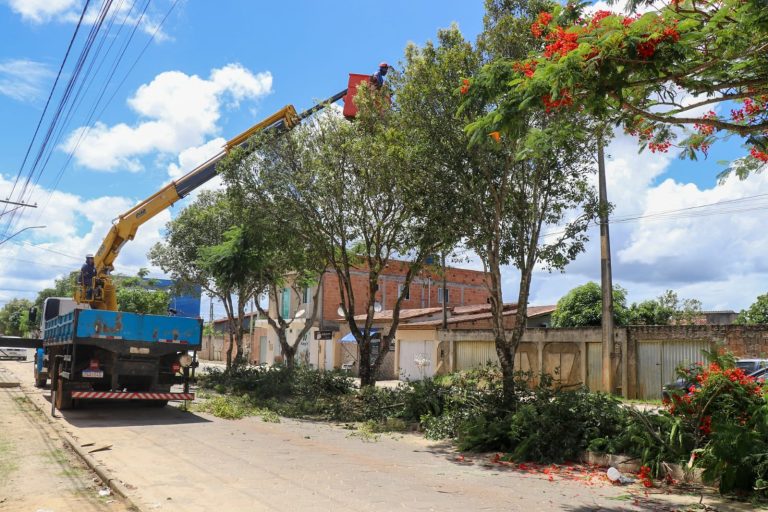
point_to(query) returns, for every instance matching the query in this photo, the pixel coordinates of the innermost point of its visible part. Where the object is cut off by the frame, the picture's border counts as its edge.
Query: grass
(231, 407)
(7, 459)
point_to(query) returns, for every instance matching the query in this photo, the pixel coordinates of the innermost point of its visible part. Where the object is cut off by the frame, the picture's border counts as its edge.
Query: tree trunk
(240, 356)
(289, 353)
(366, 373)
(229, 350)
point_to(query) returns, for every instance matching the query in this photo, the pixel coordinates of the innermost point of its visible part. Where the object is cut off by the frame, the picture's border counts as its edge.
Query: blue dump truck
(91, 354)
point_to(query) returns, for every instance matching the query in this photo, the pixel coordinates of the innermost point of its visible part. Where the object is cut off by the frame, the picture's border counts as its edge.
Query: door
(658, 360)
(595, 366)
(649, 380)
(416, 359)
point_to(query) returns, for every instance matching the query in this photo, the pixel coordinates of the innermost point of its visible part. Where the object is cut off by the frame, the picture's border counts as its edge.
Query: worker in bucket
(377, 79)
(87, 273)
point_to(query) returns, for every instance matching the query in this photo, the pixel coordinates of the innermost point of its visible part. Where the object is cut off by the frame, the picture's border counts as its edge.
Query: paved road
(175, 460)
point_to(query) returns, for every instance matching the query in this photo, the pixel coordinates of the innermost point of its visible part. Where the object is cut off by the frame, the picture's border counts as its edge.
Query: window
(306, 295)
(285, 310)
(407, 292)
(440, 295)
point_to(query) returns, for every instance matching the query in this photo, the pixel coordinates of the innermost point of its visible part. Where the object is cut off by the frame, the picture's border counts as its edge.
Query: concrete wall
(568, 350)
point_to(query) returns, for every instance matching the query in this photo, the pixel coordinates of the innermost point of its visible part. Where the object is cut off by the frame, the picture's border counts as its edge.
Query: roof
(533, 312)
(405, 314)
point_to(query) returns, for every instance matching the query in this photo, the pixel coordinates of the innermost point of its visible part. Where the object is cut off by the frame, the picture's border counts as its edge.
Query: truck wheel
(63, 395)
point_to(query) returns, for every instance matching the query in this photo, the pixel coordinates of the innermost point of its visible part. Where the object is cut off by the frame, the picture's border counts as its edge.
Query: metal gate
(594, 366)
(474, 354)
(416, 359)
(657, 362)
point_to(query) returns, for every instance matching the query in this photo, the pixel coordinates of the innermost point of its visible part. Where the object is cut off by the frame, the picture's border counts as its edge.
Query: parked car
(757, 368)
(19, 354)
(751, 365)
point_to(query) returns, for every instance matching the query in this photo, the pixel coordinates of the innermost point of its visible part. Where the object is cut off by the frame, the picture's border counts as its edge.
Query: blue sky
(215, 68)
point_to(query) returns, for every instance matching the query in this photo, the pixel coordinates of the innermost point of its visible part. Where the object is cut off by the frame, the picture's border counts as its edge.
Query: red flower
(527, 68)
(495, 136)
(564, 100)
(544, 18)
(660, 147)
(647, 49)
(760, 155)
(465, 86)
(562, 43)
(706, 425)
(598, 17)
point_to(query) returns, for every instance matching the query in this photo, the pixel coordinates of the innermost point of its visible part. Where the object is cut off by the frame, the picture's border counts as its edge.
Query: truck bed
(93, 325)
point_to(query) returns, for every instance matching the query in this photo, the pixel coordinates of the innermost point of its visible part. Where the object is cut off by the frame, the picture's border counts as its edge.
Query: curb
(112, 483)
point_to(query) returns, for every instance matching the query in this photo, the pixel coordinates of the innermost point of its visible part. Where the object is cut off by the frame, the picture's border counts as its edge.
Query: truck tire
(63, 395)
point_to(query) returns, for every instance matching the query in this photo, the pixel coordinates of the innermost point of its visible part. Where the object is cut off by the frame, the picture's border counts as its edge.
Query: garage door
(416, 359)
(657, 362)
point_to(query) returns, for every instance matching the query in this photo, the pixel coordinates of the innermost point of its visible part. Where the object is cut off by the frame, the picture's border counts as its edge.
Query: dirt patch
(37, 471)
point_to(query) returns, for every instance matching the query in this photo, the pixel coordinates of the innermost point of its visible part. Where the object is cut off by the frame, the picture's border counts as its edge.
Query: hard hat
(383, 65)
(89, 255)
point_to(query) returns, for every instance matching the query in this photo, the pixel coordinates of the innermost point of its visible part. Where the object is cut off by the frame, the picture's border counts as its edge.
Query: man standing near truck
(87, 273)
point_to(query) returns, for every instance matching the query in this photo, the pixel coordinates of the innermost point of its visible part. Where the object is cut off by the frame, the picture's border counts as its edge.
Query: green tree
(684, 64)
(755, 314)
(667, 308)
(137, 294)
(284, 261)
(14, 319)
(522, 198)
(583, 307)
(203, 225)
(62, 287)
(357, 189)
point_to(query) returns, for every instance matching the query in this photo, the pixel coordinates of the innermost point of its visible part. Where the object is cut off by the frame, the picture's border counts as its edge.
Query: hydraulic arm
(124, 228)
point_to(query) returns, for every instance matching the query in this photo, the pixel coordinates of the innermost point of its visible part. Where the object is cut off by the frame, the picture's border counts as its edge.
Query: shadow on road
(92, 413)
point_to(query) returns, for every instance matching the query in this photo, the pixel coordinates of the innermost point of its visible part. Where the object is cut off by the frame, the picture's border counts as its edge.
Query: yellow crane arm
(124, 228)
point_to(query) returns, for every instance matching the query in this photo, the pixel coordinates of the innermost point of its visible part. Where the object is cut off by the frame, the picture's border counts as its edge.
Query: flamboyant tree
(678, 73)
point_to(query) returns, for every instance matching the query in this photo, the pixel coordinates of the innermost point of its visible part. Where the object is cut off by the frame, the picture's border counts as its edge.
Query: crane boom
(124, 228)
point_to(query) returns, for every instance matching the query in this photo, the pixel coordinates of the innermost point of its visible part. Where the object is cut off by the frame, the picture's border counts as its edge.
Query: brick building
(465, 288)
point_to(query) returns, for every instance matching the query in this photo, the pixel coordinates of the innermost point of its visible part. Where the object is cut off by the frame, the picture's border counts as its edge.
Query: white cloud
(176, 111)
(718, 259)
(22, 79)
(75, 226)
(41, 11)
(69, 11)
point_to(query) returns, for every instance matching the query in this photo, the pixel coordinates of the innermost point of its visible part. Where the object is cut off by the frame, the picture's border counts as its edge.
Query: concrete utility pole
(445, 295)
(606, 277)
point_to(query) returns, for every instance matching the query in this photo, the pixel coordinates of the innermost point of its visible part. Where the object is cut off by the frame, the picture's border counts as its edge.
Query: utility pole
(606, 277)
(5, 201)
(445, 295)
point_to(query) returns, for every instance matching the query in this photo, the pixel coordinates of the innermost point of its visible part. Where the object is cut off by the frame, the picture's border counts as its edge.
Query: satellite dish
(377, 307)
(340, 311)
(299, 313)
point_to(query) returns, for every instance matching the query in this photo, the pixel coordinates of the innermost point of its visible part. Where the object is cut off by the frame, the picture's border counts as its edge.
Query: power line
(48, 101)
(89, 122)
(688, 212)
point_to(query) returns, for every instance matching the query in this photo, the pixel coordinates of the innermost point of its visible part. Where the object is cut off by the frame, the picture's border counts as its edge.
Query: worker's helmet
(383, 65)
(88, 256)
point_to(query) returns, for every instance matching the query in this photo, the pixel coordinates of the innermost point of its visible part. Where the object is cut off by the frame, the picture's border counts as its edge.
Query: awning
(350, 338)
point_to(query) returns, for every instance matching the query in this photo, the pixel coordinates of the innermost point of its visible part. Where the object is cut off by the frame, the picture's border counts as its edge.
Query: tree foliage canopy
(583, 307)
(757, 313)
(697, 64)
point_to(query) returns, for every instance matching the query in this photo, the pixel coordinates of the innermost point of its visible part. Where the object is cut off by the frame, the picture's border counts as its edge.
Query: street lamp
(19, 232)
